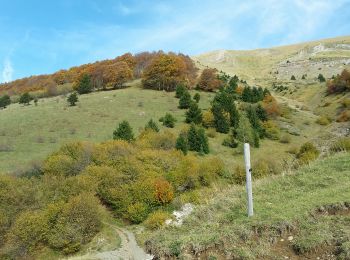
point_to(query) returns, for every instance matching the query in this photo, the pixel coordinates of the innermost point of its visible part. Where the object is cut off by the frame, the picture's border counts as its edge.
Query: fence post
(248, 171)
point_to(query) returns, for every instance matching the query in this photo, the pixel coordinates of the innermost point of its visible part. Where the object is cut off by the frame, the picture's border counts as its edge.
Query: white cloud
(7, 71)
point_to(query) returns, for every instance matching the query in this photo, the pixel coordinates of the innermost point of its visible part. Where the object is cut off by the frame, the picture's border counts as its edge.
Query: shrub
(239, 175)
(342, 144)
(321, 78)
(323, 120)
(208, 119)
(164, 191)
(292, 77)
(123, 132)
(5, 101)
(168, 120)
(211, 133)
(346, 103)
(25, 98)
(156, 219)
(72, 99)
(307, 152)
(285, 139)
(150, 139)
(152, 125)
(271, 130)
(197, 97)
(344, 116)
(137, 212)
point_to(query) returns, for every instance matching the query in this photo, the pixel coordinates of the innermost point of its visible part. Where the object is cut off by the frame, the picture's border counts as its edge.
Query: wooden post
(248, 172)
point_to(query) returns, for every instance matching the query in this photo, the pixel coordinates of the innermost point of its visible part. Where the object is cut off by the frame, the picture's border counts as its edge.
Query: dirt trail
(129, 249)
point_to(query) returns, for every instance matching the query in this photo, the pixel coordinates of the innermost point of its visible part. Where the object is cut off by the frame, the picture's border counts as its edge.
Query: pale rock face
(180, 215)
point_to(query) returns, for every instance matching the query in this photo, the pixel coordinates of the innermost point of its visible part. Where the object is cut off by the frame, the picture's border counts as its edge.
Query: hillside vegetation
(298, 215)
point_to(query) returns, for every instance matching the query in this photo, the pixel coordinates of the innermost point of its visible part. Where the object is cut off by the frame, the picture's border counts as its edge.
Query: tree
(152, 125)
(194, 142)
(72, 99)
(116, 74)
(5, 101)
(220, 121)
(185, 100)
(197, 97)
(166, 72)
(180, 90)
(25, 99)
(124, 132)
(84, 85)
(321, 78)
(244, 131)
(247, 95)
(208, 80)
(261, 113)
(168, 120)
(254, 121)
(203, 141)
(181, 143)
(194, 114)
(292, 77)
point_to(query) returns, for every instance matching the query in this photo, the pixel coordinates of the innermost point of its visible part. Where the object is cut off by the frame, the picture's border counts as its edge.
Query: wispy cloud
(7, 71)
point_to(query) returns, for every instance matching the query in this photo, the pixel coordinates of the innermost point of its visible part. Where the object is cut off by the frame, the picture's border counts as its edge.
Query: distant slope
(328, 56)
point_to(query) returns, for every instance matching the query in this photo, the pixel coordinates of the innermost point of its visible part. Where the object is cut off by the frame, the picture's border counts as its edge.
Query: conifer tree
(194, 114)
(261, 113)
(203, 141)
(181, 143)
(84, 85)
(152, 125)
(292, 77)
(124, 132)
(244, 131)
(254, 120)
(234, 115)
(266, 92)
(247, 94)
(168, 120)
(220, 121)
(72, 99)
(180, 89)
(194, 143)
(321, 78)
(196, 97)
(185, 100)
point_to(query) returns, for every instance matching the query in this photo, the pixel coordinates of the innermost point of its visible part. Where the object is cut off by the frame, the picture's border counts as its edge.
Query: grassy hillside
(29, 133)
(261, 66)
(300, 215)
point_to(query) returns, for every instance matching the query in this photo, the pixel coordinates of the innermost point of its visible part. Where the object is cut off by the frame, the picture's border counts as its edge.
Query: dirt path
(129, 249)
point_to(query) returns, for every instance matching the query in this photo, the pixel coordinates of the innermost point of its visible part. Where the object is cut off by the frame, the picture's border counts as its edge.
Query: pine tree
(254, 120)
(261, 94)
(244, 131)
(180, 89)
(292, 77)
(234, 115)
(321, 78)
(266, 92)
(196, 97)
(72, 99)
(194, 143)
(185, 100)
(220, 121)
(181, 143)
(194, 114)
(255, 95)
(247, 94)
(203, 141)
(261, 113)
(168, 120)
(84, 85)
(124, 132)
(152, 126)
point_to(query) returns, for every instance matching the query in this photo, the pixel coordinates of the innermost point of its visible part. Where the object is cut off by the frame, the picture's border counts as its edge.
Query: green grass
(283, 206)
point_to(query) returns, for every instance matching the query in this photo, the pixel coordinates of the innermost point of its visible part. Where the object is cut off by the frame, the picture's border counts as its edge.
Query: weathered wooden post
(248, 171)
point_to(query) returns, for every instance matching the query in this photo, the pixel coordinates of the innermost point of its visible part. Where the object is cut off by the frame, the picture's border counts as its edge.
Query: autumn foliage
(208, 80)
(340, 83)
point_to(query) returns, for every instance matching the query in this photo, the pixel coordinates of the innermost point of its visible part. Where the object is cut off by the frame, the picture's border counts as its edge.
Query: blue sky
(38, 37)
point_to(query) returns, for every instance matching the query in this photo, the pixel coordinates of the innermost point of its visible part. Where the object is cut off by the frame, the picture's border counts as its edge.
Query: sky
(40, 37)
